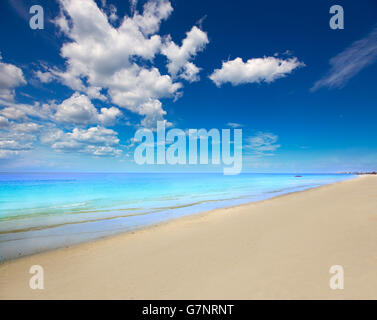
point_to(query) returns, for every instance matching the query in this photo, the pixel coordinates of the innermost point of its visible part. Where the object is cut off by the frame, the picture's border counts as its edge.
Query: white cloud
(234, 125)
(256, 70)
(6, 154)
(17, 137)
(263, 143)
(350, 62)
(103, 151)
(19, 111)
(4, 123)
(44, 77)
(13, 145)
(137, 86)
(113, 13)
(15, 142)
(10, 78)
(133, 4)
(21, 133)
(97, 141)
(12, 113)
(51, 135)
(190, 72)
(179, 57)
(113, 64)
(79, 110)
(76, 110)
(153, 112)
(104, 54)
(108, 116)
(26, 127)
(95, 135)
(154, 12)
(119, 61)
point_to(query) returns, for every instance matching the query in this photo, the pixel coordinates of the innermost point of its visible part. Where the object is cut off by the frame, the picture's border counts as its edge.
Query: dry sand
(280, 248)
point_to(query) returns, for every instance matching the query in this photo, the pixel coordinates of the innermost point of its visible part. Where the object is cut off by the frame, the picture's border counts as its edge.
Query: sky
(73, 94)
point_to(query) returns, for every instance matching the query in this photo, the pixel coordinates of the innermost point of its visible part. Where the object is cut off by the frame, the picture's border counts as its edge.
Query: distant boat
(298, 176)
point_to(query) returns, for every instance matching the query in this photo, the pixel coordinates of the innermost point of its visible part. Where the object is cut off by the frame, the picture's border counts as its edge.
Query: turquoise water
(50, 210)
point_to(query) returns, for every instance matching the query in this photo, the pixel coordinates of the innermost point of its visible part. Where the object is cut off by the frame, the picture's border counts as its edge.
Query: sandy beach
(280, 248)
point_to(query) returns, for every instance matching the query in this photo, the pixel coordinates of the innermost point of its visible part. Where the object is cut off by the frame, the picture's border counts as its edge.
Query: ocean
(43, 211)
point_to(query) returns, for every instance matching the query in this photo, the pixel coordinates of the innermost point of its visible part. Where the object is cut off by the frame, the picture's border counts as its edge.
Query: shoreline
(193, 234)
(173, 220)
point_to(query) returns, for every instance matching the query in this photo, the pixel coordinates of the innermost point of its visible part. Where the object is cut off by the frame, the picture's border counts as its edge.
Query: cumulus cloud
(153, 112)
(154, 11)
(190, 72)
(97, 141)
(44, 77)
(76, 110)
(108, 58)
(350, 62)
(263, 143)
(10, 78)
(15, 139)
(179, 57)
(108, 116)
(119, 61)
(13, 145)
(138, 86)
(19, 111)
(256, 70)
(4, 123)
(18, 132)
(26, 127)
(79, 110)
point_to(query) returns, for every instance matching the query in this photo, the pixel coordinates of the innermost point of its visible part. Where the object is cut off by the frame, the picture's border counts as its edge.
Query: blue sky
(73, 94)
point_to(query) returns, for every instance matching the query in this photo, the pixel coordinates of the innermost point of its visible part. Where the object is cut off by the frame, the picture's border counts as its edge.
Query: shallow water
(50, 210)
